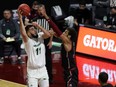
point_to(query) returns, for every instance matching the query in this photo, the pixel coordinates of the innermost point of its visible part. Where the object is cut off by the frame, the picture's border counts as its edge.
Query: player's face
(41, 11)
(7, 14)
(33, 32)
(66, 32)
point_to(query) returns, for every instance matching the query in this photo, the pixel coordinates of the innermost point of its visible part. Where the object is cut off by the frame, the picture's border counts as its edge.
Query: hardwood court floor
(14, 75)
(5, 83)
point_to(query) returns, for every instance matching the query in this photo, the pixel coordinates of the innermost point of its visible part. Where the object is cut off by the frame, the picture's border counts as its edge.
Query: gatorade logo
(97, 43)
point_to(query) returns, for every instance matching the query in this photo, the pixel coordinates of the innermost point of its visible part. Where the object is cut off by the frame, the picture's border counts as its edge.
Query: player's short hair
(72, 33)
(41, 5)
(103, 77)
(27, 27)
(114, 7)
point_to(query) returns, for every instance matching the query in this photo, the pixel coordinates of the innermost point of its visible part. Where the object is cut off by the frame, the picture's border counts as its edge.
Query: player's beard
(34, 36)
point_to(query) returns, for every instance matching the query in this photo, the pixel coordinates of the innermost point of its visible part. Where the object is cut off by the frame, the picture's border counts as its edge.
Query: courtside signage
(89, 70)
(96, 42)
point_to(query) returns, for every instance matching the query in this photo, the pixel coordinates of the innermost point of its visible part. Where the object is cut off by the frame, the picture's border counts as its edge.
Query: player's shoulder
(29, 41)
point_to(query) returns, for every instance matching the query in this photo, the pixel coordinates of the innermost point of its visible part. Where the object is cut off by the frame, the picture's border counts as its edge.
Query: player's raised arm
(22, 27)
(63, 37)
(46, 33)
(55, 28)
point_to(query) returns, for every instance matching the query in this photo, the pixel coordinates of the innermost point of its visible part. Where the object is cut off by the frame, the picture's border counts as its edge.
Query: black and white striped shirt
(42, 21)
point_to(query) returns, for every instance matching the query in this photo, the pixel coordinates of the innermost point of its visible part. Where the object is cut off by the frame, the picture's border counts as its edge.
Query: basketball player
(68, 38)
(35, 49)
(48, 42)
(70, 70)
(68, 57)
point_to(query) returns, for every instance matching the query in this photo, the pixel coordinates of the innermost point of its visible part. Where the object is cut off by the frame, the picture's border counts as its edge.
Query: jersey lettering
(38, 51)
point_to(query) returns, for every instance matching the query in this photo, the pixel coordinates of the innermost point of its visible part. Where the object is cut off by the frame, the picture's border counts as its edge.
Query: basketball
(25, 9)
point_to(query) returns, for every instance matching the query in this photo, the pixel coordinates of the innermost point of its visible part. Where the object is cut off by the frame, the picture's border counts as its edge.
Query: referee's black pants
(49, 64)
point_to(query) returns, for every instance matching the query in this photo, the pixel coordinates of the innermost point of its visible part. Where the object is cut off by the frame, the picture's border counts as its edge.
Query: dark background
(13, 4)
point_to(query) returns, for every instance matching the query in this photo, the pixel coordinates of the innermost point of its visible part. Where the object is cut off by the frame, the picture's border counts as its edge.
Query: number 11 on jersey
(38, 51)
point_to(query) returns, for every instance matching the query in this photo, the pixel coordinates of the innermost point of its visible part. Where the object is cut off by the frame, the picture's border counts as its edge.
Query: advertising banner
(96, 42)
